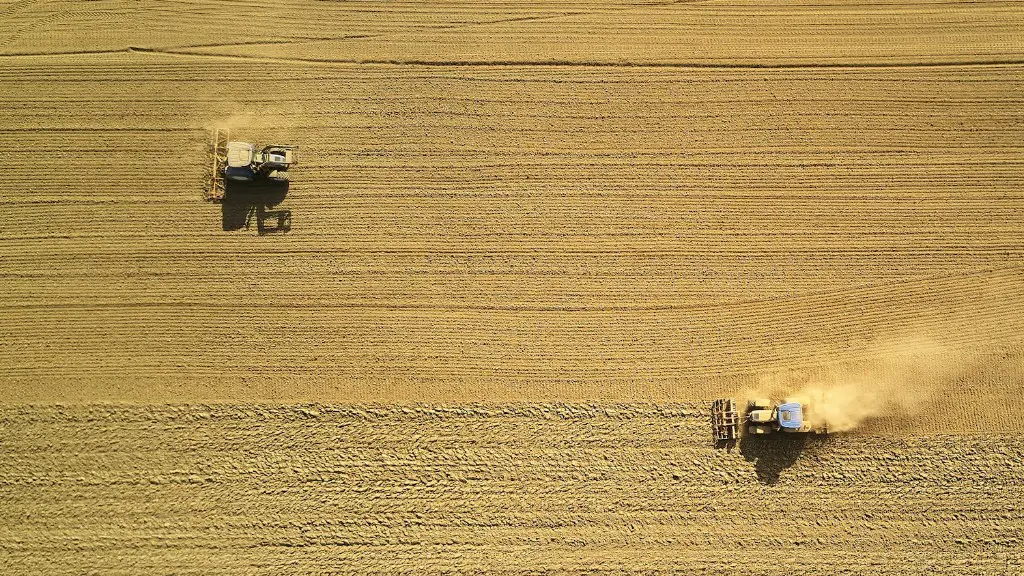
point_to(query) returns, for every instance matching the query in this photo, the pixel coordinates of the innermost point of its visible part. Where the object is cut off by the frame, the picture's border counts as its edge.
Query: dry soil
(470, 489)
(517, 205)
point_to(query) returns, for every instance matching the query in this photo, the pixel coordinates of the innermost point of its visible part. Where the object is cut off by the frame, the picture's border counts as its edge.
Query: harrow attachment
(219, 151)
(725, 420)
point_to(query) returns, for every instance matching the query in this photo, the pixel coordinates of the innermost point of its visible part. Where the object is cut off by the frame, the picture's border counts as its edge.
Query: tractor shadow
(773, 453)
(727, 445)
(248, 205)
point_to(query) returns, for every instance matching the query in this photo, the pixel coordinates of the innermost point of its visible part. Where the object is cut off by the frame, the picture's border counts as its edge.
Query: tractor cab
(240, 157)
(791, 417)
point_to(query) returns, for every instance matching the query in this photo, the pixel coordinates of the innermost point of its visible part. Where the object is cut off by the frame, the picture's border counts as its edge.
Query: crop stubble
(551, 232)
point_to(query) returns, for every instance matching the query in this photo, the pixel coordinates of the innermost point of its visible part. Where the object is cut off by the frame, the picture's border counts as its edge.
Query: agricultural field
(529, 242)
(518, 489)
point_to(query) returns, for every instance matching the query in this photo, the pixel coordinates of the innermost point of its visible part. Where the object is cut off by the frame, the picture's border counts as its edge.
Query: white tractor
(245, 162)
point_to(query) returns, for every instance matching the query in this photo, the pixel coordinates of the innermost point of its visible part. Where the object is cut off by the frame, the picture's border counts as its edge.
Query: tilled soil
(490, 489)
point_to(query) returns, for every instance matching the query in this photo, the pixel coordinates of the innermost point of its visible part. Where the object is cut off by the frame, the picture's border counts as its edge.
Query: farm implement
(763, 416)
(245, 162)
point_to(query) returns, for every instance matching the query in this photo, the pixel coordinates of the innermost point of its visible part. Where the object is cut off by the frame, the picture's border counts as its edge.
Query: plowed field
(515, 489)
(499, 208)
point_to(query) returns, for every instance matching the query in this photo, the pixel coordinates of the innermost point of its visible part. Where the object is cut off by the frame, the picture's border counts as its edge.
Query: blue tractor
(765, 416)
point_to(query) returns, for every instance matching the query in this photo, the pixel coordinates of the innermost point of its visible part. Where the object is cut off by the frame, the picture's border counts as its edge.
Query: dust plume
(242, 116)
(898, 378)
(252, 123)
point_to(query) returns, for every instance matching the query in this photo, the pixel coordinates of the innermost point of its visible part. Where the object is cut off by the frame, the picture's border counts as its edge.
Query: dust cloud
(251, 122)
(228, 115)
(898, 378)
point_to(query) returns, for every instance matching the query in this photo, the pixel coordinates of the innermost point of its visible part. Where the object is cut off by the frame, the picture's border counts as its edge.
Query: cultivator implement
(219, 152)
(725, 420)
